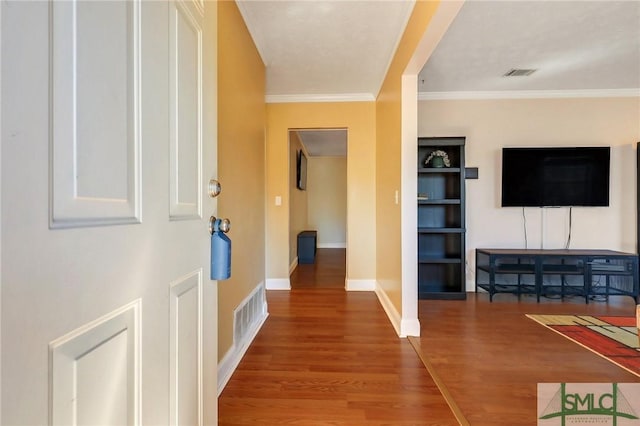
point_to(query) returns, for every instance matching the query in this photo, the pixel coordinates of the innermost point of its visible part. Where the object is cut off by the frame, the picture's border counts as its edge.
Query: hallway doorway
(328, 270)
(318, 201)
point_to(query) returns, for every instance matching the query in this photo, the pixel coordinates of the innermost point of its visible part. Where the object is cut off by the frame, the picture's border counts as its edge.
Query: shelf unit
(441, 221)
(558, 273)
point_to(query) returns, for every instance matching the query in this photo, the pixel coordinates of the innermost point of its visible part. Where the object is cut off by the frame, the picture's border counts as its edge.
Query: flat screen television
(301, 171)
(555, 177)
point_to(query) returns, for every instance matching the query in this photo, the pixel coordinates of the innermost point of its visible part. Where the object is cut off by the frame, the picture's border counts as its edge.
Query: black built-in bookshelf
(441, 221)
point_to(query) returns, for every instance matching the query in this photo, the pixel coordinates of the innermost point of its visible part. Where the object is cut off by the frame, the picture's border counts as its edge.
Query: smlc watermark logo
(616, 404)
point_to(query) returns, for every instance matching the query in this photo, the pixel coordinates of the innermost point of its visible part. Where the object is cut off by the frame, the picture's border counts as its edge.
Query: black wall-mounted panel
(471, 173)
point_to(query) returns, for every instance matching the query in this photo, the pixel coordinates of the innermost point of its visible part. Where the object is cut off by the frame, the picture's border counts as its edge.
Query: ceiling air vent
(515, 72)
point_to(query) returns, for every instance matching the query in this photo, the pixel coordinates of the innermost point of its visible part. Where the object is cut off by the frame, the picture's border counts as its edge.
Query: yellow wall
(359, 119)
(298, 199)
(327, 187)
(241, 153)
(490, 125)
(388, 162)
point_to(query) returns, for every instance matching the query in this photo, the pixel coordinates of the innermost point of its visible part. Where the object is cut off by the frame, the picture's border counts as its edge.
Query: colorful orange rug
(613, 338)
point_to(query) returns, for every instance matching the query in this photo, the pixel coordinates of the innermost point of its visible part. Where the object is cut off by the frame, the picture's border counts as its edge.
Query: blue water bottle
(220, 249)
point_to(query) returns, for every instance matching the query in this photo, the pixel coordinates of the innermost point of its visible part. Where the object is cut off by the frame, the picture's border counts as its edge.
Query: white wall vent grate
(249, 313)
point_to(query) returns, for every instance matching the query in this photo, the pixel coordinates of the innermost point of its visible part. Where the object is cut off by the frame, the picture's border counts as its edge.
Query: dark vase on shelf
(437, 162)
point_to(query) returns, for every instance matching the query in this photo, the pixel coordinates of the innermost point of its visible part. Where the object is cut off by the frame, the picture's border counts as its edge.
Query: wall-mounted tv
(555, 177)
(301, 171)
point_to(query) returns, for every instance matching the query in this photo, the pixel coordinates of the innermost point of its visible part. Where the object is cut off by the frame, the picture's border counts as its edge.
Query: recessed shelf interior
(424, 150)
(439, 216)
(437, 278)
(439, 186)
(444, 246)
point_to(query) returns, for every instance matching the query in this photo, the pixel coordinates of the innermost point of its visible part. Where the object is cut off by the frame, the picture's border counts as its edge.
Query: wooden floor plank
(328, 357)
(490, 356)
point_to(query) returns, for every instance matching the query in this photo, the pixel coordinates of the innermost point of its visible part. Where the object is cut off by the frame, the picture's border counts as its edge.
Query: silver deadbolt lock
(214, 188)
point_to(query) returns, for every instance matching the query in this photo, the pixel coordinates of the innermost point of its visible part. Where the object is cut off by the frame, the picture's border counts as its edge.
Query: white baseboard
(234, 355)
(293, 265)
(360, 285)
(248, 318)
(403, 326)
(410, 327)
(278, 284)
(392, 312)
(332, 245)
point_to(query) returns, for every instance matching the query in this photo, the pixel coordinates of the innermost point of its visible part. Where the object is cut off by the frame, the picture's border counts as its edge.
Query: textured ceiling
(573, 45)
(325, 50)
(325, 142)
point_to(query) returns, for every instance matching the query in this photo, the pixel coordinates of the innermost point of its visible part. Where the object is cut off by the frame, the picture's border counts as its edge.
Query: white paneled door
(108, 316)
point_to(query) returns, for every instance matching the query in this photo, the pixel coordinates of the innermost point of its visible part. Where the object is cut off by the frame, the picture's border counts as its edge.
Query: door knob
(214, 188)
(222, 225)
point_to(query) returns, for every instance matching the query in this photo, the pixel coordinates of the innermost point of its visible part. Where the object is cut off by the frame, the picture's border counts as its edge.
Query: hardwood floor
(328, 357)
(328, 271)
(490, 357)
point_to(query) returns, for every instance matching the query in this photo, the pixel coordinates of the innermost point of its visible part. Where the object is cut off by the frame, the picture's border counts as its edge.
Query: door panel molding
(199, 4)
(185, 110)
(185, 353)
(95, 141)
(104, 352)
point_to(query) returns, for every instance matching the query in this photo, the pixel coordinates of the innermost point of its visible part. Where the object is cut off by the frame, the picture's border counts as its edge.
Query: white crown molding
(435, 96)
(405, 20)
(530, 94)
(337, 97)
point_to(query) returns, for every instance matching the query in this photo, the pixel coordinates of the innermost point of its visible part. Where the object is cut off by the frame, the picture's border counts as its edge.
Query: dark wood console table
(559, 273)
